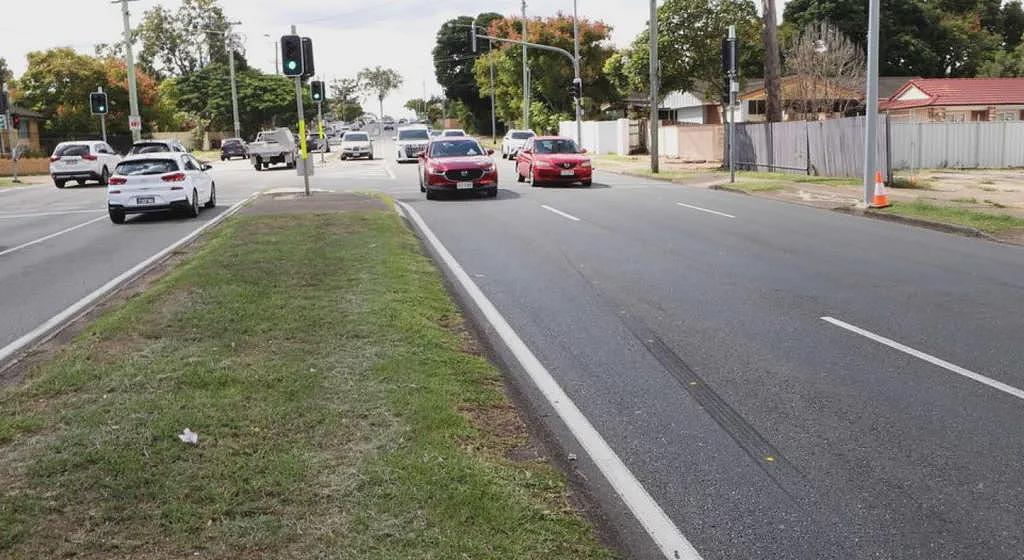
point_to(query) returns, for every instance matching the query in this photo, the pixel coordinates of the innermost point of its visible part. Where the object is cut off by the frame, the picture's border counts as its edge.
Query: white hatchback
(87, 160)
(160, 182)
(514, 141)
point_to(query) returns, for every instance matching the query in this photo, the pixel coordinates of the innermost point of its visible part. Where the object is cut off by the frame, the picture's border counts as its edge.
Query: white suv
(410, 142)
(87, 160)
(514, 141)
(158, 182)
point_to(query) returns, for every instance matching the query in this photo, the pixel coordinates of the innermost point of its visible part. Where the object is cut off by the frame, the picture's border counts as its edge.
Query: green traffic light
(292, 65)
(102, 108)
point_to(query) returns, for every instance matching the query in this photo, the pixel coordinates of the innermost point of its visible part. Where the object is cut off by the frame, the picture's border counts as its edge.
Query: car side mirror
(490, 151)
(207, 167)
(394, 139)
(526, 151)
(583, 150)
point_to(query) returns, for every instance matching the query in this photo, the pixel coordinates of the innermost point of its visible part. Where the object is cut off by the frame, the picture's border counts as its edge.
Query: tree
(690, 34)
(345, 103)
(205, 96)
(183, 41)
(429, 110)
(772, 69)
(1013, 24)
(5, 71)
(827, 65)
(550, 97)
(1005, 64)
(379, 82)
(455, 62)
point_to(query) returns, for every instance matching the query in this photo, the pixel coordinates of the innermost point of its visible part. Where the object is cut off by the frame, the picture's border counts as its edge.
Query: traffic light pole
(320, 129)
(304, 154)
(103, 119)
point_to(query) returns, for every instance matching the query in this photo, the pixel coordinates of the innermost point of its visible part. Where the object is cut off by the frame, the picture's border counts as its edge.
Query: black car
(232, 148)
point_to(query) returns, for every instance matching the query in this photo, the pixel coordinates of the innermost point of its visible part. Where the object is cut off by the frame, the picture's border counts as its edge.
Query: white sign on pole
(135, 122)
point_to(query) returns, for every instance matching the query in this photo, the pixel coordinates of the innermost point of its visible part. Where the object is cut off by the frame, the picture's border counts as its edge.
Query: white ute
(159, 182)
(273, 147)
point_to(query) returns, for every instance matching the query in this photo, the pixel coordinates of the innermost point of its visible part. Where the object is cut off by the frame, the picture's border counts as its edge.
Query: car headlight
(434, 170)
(585, 163)
(542, 164)
(489, 168)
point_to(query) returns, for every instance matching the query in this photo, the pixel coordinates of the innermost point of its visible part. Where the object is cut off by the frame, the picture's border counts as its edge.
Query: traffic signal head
(291, 55)
(472, 37)
(98, 103)
(730, 56)
(307, 58)
(15, 122)
(576, 89)
(316, 91)
(3, 102)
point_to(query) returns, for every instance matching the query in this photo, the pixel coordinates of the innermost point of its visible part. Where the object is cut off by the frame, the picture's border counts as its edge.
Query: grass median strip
(341, 412)
(981, 221)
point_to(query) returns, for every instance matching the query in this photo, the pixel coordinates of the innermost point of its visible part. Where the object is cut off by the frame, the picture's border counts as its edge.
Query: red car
(457, 164)
(553, 160)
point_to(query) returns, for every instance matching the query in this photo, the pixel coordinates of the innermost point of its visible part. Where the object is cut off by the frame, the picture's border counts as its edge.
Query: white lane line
(40, 214)
(47, 328)
(715, 212)
(559, 212)
(662, 530)
(999, 385)
(387, 168)
(51, 236)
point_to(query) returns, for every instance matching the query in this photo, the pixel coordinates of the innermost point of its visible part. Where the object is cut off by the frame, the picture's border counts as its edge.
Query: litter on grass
(188, 436)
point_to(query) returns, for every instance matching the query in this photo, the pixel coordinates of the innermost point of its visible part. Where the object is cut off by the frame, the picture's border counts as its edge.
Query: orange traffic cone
(881, 199)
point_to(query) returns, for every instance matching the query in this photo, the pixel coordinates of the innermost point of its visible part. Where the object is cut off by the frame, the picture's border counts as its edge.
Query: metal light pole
(129, 58)
(653, 24)
(277, 53)
(526, 77)
(576, 70)
(871, 126)
(733, 91)
(231, 73)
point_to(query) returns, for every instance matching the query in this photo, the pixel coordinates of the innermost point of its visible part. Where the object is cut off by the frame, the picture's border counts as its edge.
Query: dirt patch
(316, 203)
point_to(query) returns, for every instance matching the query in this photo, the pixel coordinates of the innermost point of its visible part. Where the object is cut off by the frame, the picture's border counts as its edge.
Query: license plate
(145, 200)
(568, 173)
(464, 185)
(71, 162)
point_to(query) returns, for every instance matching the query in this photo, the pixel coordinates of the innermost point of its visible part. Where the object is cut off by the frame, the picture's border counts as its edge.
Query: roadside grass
(921, 183)
(207, 155)
(966, 200)
(982, 221)
(758, 185)
(341, 412)
(797, 178)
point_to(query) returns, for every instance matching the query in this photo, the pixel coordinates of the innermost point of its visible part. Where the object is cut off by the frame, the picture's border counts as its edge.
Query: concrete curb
(727, 188)
(937, 226)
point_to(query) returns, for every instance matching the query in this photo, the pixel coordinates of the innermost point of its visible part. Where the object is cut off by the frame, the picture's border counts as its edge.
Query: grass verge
(982, 221)
(780, 178)
(341, 410)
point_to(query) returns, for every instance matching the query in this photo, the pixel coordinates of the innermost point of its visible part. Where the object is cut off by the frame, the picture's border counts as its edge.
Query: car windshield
(556, 146)
(231, 143)
(356, 138)
(522, 135)
(454, 133)
(146, 167)
(413, 135)
(455, 148)
(72, 150)
(149, 148)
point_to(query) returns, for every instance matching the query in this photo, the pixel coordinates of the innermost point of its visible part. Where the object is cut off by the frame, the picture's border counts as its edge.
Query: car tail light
(54, 158)
(89, 157)
(173, 177)
(116, 181)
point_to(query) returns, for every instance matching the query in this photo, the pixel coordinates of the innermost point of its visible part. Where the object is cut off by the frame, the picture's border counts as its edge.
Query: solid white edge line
(51, 236)
(662, 530)
(40, 214)
(37, 334)
(715, 212)
(559, 212)
(999, 385)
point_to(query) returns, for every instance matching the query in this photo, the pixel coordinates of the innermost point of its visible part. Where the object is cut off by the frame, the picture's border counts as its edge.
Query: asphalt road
(687, 325)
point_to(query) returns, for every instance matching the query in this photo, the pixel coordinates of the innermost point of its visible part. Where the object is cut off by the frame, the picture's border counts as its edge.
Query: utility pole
(129, 58)
(871, 126)
(733, 91)
(653, 25)
(494, 118)
(526, 76)
(277, 53)
(773, 87)
(576, 69)
(103, 119)
(231, 73)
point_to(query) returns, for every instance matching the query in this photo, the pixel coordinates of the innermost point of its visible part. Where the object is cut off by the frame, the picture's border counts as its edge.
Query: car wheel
(587, 183)
(222, 158)
(519, 176)
(370, 157)
(258, 165)
(193, 209)
(213, 197)
(59, 183)
(104, 176)
(116, 216)
(431, 195)
(533, 179)
(492, 193)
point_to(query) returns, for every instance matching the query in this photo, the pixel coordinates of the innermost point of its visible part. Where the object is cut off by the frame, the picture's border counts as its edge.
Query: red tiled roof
(960, 91)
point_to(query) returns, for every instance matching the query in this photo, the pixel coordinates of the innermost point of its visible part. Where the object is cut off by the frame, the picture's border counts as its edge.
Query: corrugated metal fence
(830, 148)
(987, 145)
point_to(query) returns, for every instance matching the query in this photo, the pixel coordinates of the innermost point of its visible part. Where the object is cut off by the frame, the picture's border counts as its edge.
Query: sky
(347, 34)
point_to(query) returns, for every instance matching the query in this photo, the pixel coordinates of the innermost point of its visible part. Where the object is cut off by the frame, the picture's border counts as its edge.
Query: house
(957, 100)
(29, 123)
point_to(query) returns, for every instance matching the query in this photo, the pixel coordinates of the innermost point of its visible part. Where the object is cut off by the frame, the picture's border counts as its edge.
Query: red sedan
(457, 164)
(553, 160)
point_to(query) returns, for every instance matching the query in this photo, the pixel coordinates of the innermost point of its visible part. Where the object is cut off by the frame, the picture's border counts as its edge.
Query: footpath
(299, 385)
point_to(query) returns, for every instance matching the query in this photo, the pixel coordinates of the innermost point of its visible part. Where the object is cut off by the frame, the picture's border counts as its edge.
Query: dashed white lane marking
(40, 214)
(559, 212)
(998, 385)
(655, 521)
(715, 212)
(51, 236)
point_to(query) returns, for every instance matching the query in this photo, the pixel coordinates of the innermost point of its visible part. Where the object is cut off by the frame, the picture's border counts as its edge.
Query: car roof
(155, 155)
(413, 127)
(88, 142)
(553, 138)
(530, 130)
